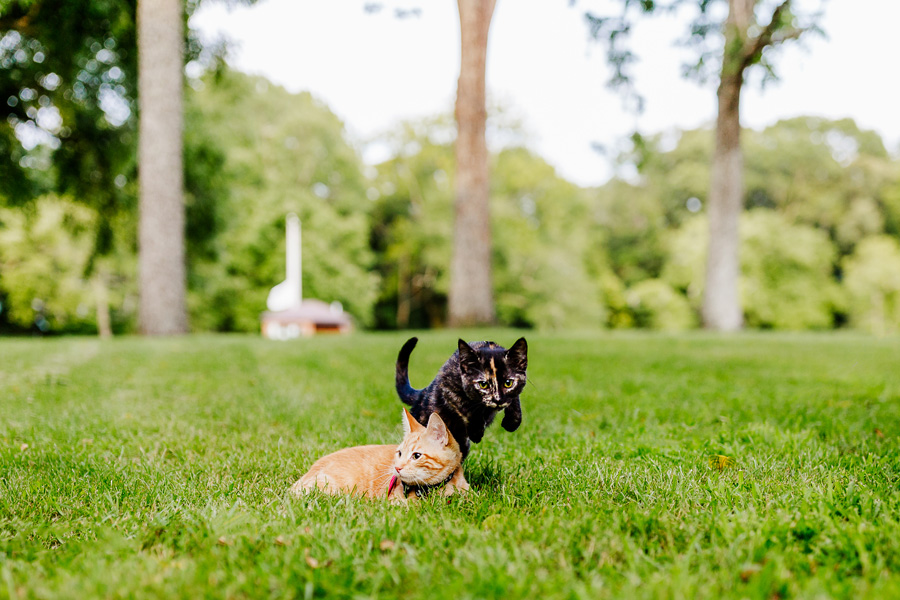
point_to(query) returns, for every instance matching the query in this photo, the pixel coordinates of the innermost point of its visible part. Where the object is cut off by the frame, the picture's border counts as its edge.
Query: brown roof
(314, 311)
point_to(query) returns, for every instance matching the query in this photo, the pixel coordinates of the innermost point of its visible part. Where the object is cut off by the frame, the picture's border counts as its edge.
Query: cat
(476, 383)
(427, 457)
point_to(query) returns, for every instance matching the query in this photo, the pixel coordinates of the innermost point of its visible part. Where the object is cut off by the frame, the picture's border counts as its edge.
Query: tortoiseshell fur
(470, 389)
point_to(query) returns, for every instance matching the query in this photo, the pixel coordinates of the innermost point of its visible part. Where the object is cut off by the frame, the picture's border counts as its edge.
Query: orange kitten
(427, 457)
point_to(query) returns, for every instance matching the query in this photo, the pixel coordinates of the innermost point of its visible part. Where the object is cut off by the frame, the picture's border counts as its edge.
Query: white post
(294, 262)
(289, 293)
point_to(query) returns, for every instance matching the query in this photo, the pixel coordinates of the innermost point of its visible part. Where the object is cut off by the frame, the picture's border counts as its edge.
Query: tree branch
(765, 38)
(791, 34)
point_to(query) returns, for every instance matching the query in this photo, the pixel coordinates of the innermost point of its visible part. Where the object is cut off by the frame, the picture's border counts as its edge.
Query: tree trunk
(471, 298)
(404, 291)
(101, 298)
(721, 301)
(161, 266)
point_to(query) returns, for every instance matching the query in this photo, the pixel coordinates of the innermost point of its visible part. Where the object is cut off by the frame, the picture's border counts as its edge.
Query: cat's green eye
(483, 385)
(509, 383)
(417, 455)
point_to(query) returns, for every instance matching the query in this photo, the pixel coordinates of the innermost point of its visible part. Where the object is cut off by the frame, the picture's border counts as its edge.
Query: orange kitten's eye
(417, 455)
(482, 384)
(508, 383)
(399, 453)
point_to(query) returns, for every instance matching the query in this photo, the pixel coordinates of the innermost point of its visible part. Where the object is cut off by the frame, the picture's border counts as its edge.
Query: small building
(307, 318)
(289, 315)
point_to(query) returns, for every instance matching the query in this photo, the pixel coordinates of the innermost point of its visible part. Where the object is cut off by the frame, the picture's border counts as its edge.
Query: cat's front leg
(396, 497)
(457, 483)
(475, 432)
(402, 500)
(512, 416)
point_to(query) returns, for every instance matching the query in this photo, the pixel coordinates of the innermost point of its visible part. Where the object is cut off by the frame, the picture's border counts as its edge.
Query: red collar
(392, 485)
(420, 490)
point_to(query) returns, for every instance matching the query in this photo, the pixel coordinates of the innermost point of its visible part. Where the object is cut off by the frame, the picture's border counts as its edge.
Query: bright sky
(374, 70)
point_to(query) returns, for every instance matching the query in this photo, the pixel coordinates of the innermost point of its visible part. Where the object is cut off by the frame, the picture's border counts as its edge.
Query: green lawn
(159, 469)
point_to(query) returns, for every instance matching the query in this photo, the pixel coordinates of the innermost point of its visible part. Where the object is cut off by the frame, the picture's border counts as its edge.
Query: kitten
(426, 458)
(476, 383)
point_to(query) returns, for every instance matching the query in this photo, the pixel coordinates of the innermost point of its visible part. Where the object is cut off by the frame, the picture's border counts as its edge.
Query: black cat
(476, 383)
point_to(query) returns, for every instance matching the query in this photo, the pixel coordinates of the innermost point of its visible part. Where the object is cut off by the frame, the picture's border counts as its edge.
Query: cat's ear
(517, 355)
(468, 358)
(437, 430)
(409, 423)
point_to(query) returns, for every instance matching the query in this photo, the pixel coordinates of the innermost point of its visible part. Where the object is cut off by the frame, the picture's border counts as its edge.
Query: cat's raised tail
(407, 393)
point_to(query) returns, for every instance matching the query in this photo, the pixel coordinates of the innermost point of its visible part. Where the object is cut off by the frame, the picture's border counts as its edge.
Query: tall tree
(745, 40)
(163, 306)
(751, 28)
(471, 298)
(68, 80)
(67, 77)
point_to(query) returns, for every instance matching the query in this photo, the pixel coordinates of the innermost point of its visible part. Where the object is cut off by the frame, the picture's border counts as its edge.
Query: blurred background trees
(820, 238)
(271, 152)
(733, 40)
(751, 29)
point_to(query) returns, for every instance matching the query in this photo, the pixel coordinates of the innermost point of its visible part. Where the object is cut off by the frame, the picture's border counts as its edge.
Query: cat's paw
(399, 499)
(510, 425)
(476, 435)
(457, 484)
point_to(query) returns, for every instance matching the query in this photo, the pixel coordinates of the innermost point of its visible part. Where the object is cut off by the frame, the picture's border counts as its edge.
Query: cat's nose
(398, 469)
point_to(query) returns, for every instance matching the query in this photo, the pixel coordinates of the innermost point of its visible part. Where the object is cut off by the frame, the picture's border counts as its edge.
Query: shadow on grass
(484, 473)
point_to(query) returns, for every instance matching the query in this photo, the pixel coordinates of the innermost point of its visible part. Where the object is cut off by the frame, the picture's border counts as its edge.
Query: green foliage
(829, 177)
(786, 271)
(787, 274)
(159, 469)
(631, 221)
(754, 48)
(872, 280)
(542, 255)
(626, 254)
(412, 225)
(68, 82)
(612, 292)
(830, 174)
(542, 247)
(43, 255)
(673, 176)
(68, 79)
(280, 153)
(656, 305)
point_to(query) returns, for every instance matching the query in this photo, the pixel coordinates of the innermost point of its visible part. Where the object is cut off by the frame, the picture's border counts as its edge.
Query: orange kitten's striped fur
(427, 456)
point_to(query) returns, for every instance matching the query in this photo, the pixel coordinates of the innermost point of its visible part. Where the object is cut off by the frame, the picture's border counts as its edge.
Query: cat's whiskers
(383, 480)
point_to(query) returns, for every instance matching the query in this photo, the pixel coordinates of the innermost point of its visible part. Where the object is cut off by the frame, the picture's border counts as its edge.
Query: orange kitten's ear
(409, 423)
(437, 430)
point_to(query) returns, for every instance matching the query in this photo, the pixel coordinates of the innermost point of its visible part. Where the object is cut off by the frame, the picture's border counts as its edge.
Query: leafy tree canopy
(281, 153)
(542, 245)
(830, 174)
(773, 23)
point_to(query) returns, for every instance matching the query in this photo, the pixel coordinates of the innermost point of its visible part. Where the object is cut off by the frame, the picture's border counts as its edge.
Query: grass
(159, 468)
